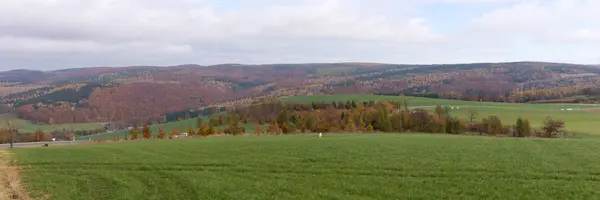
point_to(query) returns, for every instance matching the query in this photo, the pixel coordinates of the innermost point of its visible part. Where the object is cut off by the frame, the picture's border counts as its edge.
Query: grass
(27, 126)
(167, 127)
(582, 121)
(367, 166)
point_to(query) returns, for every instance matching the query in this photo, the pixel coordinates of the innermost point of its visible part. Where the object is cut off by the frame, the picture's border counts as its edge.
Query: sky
(58, 34)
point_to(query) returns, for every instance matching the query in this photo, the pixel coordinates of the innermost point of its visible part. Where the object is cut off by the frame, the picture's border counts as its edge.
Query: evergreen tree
(519, 128)
(526, 128)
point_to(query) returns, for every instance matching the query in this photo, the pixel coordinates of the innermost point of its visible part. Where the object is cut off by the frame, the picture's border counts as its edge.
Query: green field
(27, 126)
(367, 166)
(583, 120)
(167, 127)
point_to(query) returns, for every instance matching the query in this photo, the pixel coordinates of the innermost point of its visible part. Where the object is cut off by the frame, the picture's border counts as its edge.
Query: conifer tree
(519, 128)
(526, 128)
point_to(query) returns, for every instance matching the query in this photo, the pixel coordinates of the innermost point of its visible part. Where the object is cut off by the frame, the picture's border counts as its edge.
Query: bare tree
(472, 115)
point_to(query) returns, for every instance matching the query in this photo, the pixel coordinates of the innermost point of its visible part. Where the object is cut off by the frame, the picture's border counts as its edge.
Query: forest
(131, 96)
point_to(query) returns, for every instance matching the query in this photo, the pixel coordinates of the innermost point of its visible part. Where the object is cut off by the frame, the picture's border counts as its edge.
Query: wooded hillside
(149, 93)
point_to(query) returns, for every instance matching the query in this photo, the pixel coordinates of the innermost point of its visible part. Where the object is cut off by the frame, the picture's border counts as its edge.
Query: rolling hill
(125, 96)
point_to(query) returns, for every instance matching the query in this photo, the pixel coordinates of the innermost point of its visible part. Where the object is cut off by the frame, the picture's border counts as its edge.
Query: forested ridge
(148, 94)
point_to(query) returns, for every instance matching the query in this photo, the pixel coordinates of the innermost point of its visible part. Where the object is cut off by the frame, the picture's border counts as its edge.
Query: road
(39, 144)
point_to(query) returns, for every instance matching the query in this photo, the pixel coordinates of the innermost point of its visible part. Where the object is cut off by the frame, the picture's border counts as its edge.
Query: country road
(39, 144)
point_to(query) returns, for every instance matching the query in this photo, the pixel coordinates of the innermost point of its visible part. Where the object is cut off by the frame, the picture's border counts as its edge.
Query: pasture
(182, 125)
(354, 166)
(581, 121)
(26, 125)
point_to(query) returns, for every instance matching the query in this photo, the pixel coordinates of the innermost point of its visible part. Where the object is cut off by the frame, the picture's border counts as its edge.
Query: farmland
(368, 166)
(182, 125)
(27, 126)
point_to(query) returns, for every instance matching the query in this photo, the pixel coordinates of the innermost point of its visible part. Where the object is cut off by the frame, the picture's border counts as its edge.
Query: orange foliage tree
(258, 130)
(146, 132)
(191, 131)
(161, 133)
(134, 133)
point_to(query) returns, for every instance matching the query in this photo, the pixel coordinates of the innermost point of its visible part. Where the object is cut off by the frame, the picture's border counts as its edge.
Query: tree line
(381, 116)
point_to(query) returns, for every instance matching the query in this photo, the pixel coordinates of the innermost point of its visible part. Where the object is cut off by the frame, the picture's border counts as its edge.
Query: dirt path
(10, 183)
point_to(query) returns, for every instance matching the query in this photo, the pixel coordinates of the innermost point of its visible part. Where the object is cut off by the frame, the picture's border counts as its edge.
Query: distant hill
(146, 93)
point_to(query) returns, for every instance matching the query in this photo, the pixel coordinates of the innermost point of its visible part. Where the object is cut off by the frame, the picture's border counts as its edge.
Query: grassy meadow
(354, 166)
(167, 127)
(27, 126)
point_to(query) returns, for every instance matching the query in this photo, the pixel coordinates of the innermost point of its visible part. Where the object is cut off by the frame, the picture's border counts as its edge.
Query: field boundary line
(10, 181)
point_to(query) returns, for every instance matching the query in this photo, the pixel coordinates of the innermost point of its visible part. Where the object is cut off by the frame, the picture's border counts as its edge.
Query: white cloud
(127, 32)
(542, 20)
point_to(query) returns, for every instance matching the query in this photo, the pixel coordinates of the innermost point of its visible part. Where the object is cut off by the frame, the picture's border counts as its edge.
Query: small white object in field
(569, 108)
(320, 135)
(53, 139)
(562, 109)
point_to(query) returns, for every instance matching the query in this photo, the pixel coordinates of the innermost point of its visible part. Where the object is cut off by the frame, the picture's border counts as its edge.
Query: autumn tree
(191, 131)
(369, 128)
(350, 126)
(211, 131)
(134, 133)
(258, 130)
(440, 112)
(274, 128)
(172, 133)
(492, 125)
(38, 135)
(552, 128)
(146, 132)
(198, 121)
(286, 129)
(161, 133)
(203, 130)
(362, 126)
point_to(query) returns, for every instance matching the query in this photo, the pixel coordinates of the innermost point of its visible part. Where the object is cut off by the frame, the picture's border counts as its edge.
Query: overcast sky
(55, 34)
